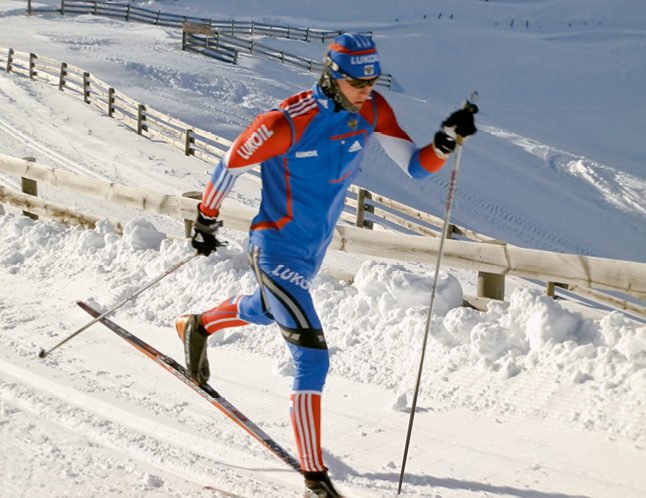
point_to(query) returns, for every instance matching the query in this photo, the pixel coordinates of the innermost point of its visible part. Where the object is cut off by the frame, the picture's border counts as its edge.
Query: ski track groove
(47, 152)
(187, 456)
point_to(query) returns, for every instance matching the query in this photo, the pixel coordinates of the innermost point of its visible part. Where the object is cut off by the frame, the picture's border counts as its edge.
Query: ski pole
(44, 353)
(468, 105)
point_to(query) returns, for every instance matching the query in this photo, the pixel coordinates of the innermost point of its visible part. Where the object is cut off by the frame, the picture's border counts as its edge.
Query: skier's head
(353, 55)
(350, 69)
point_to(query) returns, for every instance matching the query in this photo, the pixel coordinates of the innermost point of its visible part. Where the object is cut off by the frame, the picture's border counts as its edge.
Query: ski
(206, 391)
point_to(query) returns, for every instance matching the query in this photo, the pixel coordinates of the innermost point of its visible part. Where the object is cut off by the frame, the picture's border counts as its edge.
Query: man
(310, 149)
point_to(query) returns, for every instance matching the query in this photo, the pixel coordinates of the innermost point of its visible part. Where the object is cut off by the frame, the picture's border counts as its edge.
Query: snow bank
(374, 327)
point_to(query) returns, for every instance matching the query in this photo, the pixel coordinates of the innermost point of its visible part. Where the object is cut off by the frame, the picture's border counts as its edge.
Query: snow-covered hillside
(534, 400)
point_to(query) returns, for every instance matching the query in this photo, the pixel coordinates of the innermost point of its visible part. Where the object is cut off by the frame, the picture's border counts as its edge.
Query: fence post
(307, 34)
(128, 12)
(157, 17)
(184, 40)
(188, 140)
(110, 102)
(86, 88)
(9, 60)
(29, 187)
(62, 7)
(61, 79)
(188, 224)
(491, 285)
(28, 7)
(32, 65)
(550, 288)
(140, 118)
(362, 208)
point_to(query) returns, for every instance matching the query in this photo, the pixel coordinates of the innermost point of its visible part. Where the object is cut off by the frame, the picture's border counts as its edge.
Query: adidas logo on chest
(355, 147)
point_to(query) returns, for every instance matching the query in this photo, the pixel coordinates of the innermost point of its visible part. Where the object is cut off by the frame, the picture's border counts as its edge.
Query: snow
(536, 399)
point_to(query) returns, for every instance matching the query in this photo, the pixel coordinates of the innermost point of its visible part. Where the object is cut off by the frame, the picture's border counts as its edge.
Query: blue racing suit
(309, 152)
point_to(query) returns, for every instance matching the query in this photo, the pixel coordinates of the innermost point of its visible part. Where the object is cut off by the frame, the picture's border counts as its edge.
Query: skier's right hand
(204, 230)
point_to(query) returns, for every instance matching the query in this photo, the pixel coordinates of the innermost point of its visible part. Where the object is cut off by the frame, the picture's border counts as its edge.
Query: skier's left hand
(461, 122)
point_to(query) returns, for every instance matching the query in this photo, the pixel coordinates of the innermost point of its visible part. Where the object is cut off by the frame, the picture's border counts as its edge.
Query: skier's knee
(252, 310)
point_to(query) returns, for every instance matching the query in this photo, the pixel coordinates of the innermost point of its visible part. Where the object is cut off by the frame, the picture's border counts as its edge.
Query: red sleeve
(386, 121)
(269, 135)
(398, 145)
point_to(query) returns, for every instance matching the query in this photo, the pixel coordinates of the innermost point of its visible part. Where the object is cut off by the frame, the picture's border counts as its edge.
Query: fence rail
(586, 272)
(129, 12)
(141, 118)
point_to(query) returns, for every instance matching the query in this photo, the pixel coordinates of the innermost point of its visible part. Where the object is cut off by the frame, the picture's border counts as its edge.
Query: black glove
(444, 143)
(461, 122)
(204, 230)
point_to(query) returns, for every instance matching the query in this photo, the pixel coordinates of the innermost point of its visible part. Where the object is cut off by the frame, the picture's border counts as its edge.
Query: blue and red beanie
(354, 55)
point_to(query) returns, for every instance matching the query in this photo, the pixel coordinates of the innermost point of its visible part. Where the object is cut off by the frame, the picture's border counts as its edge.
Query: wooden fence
(129, 12)
(364, 209)
(141, 118)
(585, 272)
(226, 47)
(222, 40)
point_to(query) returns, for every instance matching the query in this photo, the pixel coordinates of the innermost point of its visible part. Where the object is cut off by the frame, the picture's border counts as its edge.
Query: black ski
(206, 391)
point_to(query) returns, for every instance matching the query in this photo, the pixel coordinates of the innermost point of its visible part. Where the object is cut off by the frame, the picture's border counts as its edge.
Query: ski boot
(194, 336)
(318, 485)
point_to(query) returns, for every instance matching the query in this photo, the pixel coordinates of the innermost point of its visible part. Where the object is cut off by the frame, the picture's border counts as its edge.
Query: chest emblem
(352, 123)
(355, 147)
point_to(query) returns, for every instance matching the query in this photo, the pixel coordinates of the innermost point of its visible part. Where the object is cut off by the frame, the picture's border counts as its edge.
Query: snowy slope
(558, 161)
(531, 401)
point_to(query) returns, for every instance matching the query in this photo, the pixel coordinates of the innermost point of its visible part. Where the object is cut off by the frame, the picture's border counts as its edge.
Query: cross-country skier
(310, 149)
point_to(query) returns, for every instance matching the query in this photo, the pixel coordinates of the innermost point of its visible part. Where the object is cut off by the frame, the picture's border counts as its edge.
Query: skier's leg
(285, 287)
(235, 312)
(310, 370)
(194, 330)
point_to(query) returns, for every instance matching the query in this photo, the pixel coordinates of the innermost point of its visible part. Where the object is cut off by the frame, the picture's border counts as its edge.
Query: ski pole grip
(470, 103)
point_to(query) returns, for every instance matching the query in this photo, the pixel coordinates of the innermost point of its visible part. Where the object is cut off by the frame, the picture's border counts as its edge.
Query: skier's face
(356, 96)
